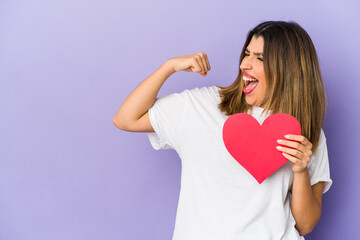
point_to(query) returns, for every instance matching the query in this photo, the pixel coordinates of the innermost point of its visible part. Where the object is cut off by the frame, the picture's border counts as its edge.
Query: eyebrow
(255, 53)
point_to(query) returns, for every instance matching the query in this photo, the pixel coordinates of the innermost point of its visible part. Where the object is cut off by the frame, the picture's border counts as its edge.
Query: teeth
(249, 79)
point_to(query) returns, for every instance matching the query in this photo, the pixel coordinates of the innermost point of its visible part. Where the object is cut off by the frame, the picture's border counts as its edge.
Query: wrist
(301, 172)
(169, 64)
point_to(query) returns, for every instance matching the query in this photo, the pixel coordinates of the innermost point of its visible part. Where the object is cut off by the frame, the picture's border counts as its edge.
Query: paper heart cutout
(254, 145)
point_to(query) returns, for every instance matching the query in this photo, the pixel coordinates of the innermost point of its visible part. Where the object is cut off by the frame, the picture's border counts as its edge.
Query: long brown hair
(293, 78)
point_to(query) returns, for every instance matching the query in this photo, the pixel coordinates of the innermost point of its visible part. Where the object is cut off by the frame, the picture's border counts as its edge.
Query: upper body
(279, 73)
(219, 199)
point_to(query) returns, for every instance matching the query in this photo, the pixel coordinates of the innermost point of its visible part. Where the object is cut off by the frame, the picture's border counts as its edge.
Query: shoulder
(321, 147)
(197, 94)
(322, 142)
(322, 138)
(206, 91)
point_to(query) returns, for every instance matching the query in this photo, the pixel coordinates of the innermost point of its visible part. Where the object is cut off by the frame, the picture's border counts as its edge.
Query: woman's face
(252, 67)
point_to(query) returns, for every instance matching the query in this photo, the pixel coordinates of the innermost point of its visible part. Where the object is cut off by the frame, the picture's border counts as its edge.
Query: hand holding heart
(299, 152)
(254, 146)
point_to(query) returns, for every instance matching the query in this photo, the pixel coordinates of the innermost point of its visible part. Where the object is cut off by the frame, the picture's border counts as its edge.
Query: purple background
(66, 172)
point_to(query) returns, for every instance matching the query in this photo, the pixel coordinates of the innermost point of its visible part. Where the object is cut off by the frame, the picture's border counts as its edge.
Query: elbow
(306, 223)
(306, 230)
(119, 125)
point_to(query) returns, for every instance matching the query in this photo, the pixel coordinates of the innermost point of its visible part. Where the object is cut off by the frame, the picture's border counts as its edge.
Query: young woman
(219, 199)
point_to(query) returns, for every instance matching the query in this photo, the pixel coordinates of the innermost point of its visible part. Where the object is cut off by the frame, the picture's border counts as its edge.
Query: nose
(245, 64)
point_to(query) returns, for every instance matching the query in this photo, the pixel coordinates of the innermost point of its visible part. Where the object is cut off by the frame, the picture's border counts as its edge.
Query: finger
(203, 59)
(201, 64)
(298, 164)
(290, 158)
(309, 153)
(197, 66)
(293, 152)
(201, 69)
(207, 62)
(303, 140)
(292, 144)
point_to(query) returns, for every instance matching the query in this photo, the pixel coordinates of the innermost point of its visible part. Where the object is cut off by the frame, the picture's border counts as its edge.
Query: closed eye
(257, 58)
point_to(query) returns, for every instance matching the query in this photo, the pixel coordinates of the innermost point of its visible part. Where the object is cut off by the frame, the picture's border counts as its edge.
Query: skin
(253, 65)
(133, 116)
(306, 199)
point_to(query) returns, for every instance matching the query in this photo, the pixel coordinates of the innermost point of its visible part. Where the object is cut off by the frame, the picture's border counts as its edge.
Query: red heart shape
(254, 145)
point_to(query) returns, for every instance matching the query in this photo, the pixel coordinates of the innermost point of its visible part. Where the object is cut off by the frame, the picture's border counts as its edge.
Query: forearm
(304, 206)
(143, 96)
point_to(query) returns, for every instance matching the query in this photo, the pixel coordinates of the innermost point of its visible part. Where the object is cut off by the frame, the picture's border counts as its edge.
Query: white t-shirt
(218, 198)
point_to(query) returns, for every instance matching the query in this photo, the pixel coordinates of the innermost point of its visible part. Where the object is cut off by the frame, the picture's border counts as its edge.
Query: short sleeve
(166, 117)
(319, 170)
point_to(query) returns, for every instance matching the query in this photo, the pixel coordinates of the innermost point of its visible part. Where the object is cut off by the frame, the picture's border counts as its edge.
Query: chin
(250, 101)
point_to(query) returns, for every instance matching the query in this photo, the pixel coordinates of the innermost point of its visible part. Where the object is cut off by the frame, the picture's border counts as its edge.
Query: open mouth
(250, 84)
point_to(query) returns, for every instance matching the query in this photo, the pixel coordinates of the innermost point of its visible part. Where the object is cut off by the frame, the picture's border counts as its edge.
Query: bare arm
(306, 202)
(142, 97)
(133, 113)
(306, 199)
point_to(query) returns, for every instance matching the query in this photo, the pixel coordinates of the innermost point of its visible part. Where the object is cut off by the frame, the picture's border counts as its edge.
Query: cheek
(264, 85)
(263, 88)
